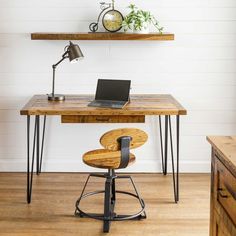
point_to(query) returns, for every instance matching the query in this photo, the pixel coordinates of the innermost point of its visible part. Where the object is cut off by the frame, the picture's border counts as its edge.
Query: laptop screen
(117, 90)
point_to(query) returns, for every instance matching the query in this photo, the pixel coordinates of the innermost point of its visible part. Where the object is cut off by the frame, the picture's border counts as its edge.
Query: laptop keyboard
(112, 104)
(117, 105)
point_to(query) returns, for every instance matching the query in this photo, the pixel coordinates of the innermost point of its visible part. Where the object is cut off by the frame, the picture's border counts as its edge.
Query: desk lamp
(73, 52)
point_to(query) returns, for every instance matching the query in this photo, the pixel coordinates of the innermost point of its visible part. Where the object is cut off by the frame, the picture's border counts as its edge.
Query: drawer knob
(220, 191)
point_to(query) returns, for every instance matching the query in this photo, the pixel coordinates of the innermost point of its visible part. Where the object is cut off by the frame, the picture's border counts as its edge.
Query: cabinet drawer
(222, 225)
(102, 119)
(226, 190)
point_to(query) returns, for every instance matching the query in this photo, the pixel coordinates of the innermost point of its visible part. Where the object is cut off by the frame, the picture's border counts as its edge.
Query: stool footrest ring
(114, 217)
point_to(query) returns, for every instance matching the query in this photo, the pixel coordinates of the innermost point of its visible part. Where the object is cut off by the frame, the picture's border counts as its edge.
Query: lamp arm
(64, 56)
(54, 71)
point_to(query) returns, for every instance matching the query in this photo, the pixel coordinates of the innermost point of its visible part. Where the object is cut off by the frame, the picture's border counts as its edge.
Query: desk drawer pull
(220, 190)
(102, 119)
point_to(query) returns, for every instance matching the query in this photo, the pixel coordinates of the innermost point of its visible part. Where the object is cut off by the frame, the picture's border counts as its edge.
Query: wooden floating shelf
(101, 36)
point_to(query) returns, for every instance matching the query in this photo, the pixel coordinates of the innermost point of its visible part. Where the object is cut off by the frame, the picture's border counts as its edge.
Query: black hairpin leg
(30, 171)
(37, 143)
(172, 160)
(35, 148)
(164, 153)
(175, 175)
(161, 143)
(42, 144)
(166, 145)
(177, 154)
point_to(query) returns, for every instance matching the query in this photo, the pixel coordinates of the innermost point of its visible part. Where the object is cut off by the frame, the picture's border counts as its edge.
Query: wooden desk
(75, 110)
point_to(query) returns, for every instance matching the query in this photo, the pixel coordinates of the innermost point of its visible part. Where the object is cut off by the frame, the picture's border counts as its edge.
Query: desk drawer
(102, 119)
(226, 190)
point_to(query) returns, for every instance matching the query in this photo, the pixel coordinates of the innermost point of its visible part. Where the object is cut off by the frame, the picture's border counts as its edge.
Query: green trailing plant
(139, 19)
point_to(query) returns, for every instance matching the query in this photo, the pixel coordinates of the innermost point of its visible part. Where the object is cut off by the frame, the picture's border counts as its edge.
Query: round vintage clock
(112, 20)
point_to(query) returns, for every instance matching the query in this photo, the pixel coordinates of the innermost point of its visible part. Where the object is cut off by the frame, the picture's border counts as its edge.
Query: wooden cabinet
(223, 186)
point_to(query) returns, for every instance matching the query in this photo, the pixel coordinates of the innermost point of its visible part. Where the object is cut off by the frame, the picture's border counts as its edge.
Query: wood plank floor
(54, 194)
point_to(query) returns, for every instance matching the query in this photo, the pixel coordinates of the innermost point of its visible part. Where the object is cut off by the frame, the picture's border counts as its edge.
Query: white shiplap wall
(198, 68)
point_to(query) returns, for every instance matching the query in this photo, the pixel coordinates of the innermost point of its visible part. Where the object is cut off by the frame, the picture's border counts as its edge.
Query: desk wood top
(147, 104)
(226, 147)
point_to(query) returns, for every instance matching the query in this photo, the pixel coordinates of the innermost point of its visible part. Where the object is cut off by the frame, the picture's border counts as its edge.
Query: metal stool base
(109, 201)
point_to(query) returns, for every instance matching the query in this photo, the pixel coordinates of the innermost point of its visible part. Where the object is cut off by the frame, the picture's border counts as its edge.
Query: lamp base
(56, 97)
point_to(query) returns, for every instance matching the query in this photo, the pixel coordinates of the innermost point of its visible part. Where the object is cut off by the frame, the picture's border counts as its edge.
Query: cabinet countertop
(226, 147)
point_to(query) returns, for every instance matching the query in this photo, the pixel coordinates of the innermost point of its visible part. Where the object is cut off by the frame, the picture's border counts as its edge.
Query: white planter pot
(129, 31)
(142, 31)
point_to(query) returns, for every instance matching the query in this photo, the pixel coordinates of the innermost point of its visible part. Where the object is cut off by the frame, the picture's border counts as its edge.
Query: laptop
(111, 93)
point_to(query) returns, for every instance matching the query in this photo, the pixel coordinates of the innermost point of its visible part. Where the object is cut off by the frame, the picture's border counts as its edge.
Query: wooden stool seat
(105, 159)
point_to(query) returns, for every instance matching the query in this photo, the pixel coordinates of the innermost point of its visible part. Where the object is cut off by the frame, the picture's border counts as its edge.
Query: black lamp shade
(74, 52)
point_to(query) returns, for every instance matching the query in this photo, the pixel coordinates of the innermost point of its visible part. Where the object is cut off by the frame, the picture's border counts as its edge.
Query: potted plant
(138, 21)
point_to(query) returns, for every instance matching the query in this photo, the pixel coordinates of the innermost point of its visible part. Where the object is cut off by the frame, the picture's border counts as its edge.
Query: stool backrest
(111, 139)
